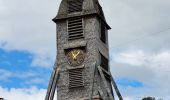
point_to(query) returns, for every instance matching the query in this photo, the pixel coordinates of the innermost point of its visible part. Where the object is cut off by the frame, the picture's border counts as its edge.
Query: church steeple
(82, 70)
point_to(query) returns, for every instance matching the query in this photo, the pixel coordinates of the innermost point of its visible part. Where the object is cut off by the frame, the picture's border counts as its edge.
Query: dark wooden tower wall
(82, 52)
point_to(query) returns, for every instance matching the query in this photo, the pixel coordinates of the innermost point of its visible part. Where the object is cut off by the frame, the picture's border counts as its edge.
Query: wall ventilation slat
(75, 28)
(75, 5)
(103, 32)
(104, 62)
(76, 78)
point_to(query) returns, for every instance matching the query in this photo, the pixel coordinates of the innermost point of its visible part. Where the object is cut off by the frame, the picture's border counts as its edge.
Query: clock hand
(73, 55)
(77, 53)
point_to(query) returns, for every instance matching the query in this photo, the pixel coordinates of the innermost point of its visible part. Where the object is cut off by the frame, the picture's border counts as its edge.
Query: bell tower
(81, 70)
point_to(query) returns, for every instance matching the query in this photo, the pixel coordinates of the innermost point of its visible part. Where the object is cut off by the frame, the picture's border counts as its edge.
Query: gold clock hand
(77, 54)
(73, 55)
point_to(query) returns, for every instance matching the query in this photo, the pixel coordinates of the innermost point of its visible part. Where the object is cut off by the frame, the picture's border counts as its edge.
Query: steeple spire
(82, 70)
(72, 8)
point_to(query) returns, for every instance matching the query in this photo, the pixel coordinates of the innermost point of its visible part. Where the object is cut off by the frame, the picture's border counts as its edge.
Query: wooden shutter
(75, 6)
(103, 32)
(104, 62)
(75, 28)
(76, 78)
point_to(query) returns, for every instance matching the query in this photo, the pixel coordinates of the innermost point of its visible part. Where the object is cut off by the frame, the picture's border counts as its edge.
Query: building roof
(89, 8)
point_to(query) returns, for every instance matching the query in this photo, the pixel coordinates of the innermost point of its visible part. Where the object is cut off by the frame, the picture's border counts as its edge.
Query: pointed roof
(89, 7)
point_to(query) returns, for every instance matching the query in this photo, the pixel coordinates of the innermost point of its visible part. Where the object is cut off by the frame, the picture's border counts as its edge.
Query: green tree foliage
(149, 98)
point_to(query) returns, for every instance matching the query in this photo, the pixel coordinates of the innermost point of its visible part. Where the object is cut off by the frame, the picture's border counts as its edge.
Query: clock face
(75, 57)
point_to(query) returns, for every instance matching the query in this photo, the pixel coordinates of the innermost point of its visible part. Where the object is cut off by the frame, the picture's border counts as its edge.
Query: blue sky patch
(16, 71)
(128, 82)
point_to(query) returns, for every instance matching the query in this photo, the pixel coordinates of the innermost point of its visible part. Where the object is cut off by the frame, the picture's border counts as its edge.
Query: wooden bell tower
(82, 70)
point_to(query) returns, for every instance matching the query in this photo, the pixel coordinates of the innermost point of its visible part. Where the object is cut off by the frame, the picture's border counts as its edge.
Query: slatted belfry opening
(75, 6)
(76, 78)
(75, 28)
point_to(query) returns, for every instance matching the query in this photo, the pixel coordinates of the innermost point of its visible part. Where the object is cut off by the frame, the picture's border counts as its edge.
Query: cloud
(26, 26)
(22, 93)
(138, 20)
(23, 78)
(151, 69)
(35, 81)
(139, 93)
(42, 60)
(162, 60)
(136, 58)
(5, 75)
(139, 39)
(139, 45)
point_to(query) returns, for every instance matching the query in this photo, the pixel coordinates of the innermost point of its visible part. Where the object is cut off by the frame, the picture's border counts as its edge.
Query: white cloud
(131, 20)
(25, 75)
(28, 78)
(152, 69)
(32, 93)
(35, 81)
(136, 58)
(22, 93)
(42, 60)
(139, 58)
(27, 26)
(5, 75)
(162, 60)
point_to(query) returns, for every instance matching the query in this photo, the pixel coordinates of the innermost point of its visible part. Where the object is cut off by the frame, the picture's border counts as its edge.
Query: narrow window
(104, 62)
(75, 28)
(103, 32)
(102, 25)
(75, 6)
(76, 78)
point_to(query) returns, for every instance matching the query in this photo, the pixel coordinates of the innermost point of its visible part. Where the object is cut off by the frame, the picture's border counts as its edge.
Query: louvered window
(76, 78)
(104, 62)
(75, 5)
(75, 28)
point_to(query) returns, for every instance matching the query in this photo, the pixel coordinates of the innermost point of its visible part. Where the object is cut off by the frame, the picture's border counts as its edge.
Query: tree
(149, 98)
